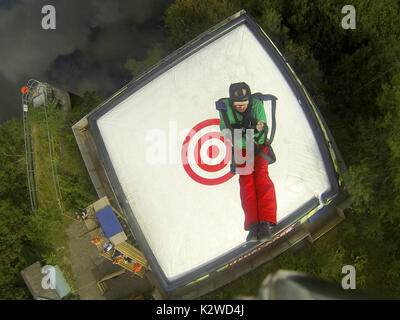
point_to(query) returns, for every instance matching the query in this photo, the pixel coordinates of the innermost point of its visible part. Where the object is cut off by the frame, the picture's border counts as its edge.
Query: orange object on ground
(96, 240)
(137, 267)
(24, 89)
(118, 260)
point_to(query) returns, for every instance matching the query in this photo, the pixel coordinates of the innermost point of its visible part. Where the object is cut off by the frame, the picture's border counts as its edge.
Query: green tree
(154, 55)
(186, 19)
(15, 244)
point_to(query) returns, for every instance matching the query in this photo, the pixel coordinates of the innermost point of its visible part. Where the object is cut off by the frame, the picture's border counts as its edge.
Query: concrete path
(84, 257)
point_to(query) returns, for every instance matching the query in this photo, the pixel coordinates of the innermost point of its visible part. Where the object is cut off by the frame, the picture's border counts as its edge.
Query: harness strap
(229, 126)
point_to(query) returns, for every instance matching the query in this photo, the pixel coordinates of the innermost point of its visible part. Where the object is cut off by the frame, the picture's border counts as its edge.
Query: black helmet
(239, 92)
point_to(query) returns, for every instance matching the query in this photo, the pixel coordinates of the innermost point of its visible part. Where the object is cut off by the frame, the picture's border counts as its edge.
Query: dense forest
(354, 77)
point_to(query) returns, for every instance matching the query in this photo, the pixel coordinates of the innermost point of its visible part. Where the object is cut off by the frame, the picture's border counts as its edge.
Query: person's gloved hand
(260, 125)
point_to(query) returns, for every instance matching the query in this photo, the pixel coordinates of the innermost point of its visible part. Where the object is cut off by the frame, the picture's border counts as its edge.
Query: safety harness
(247, 123)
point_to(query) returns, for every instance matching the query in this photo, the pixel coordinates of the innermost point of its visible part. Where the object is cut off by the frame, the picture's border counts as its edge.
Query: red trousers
(257, 193)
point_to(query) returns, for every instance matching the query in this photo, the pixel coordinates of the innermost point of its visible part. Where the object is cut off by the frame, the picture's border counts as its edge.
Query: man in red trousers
(257, 192)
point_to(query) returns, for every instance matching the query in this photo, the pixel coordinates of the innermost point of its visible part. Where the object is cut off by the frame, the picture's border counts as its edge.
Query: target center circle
(204, 152)
(212, 152)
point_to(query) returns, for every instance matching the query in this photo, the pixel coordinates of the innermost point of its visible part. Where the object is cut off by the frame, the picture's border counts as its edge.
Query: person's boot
(265, 230)
(253, 233)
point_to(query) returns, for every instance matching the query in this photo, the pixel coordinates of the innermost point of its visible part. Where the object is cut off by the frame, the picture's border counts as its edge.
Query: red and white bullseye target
(205, 154)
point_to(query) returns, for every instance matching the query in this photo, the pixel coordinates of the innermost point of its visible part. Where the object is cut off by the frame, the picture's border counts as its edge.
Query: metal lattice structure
(28, 103)
(28, 145)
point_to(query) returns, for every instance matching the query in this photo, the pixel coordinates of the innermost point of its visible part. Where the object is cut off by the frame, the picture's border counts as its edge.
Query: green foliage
(89, 101)
(12, 163)
(388, 104)
(154, 55)
(75, 192)
(13, 235)
(14, 231)
(51, 258)
(186, 19)
(271, 22)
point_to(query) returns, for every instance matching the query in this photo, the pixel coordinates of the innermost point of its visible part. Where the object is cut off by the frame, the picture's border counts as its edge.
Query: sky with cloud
(87, 50)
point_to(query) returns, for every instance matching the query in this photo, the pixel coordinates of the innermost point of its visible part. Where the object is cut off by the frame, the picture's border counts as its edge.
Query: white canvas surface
(185, 223)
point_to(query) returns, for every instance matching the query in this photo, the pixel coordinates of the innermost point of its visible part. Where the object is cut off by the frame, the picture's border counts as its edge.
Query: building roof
(33, 278)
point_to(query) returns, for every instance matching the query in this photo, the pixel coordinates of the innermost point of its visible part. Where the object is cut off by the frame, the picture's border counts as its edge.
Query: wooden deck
(126, 265)
(130, 251)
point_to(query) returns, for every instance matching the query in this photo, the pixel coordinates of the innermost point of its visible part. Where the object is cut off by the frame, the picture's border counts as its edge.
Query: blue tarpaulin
(108, 222)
